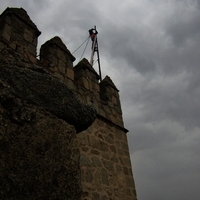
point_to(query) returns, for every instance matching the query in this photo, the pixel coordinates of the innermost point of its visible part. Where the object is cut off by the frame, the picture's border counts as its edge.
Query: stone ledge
(109, 121)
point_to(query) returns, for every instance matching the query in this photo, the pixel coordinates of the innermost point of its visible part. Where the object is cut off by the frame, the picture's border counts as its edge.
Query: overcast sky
(151, 50)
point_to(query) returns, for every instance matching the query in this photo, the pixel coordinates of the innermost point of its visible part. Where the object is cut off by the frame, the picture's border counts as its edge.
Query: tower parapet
(18, 32)
(111, 106)
(55, 56)
(86, 79)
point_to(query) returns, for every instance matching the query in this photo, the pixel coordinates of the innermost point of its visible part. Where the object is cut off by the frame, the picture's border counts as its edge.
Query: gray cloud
(150, 49)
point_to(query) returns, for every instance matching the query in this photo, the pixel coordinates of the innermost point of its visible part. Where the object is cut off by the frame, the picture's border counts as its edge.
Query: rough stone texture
(39, 153)
(44, 90)
(39, 120)
(43, 101)
(105, 161)
(18, 31)
(108, 161)
(58, 60)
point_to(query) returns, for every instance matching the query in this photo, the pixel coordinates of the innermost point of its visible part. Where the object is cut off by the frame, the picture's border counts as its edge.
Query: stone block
(84, 160)
(61, 66)
(58, 75)
(84, 83)
(127, 161)
(96, 162)
(100, 136)
(52, 59)
(82, 139)
(70, 73)
(88, 176)
(104, 176)
(118, 167)
(124, 146)
(31, 49)
(99, 123)
(94, 151)
(113, 149)
(8, 20)
(115, 159)
(109, 139)
(107, 109)
(102, 112)
(90, 129)
(110, 104)
(112, 118)
(102, 146)
(94, 143)
(105, 156)
(120, 152)
(28, 35)
(96, 87)
(70, 84)
(61, 55)
(118, 135)
(69, 64)
(125, 170)
(118, 109)
(129, 182)
(114, 100)
(97, 178)
(108, 165)
(6, 32)
(32, 58)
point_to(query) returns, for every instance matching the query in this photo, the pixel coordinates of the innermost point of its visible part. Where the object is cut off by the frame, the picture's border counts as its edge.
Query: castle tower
(18, 32)
(86, 80)
(106, 170)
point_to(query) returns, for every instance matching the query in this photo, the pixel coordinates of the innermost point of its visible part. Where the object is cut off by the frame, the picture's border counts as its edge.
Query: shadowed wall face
(39, 153)
(39, 119)
(44, 104)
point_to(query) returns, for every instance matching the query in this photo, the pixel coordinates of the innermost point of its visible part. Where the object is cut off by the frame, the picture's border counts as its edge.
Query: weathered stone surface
(37, 106)
(56, 46)
(84, 160)
(96, 162)
(39, 153)
(44, 90)
(104, 176)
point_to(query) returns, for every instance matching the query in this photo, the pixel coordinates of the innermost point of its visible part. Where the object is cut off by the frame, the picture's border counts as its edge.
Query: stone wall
(104, 168)
(39, 154)
(105, 162)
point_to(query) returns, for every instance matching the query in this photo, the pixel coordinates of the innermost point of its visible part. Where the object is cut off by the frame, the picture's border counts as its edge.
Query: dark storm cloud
(184, 28)
(150, 48)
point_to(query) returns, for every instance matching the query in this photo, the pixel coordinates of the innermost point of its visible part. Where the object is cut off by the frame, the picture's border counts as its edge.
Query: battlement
(104, 155)
(83, 79)
(20, 33)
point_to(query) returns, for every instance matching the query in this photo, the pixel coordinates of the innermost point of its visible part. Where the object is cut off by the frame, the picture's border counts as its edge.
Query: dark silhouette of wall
(44, 104)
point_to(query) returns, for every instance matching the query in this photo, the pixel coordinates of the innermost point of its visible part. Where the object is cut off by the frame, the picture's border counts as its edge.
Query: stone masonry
(106, 172)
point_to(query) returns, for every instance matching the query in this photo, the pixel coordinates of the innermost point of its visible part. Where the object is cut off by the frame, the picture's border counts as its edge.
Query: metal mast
(93, 35)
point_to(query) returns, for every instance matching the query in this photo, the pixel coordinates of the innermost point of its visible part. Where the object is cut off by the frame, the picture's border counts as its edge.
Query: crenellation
(17, 27)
